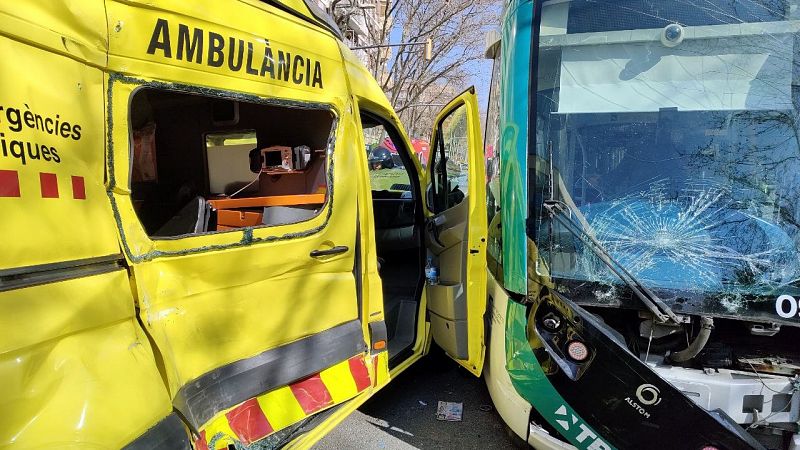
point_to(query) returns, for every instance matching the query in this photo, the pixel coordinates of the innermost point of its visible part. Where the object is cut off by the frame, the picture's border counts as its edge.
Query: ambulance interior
(398, 232)
(203, 164)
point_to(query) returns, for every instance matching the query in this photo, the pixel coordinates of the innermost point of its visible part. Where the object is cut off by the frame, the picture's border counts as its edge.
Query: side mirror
(492, 48)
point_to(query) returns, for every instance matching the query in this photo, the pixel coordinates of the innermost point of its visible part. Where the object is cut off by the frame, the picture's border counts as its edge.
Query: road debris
(449, 411)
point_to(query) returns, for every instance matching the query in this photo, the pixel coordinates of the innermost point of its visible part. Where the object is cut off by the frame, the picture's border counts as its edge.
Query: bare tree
(415, 85)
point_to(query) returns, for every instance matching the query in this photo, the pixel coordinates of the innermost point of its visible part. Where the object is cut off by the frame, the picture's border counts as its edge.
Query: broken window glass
(671, 129)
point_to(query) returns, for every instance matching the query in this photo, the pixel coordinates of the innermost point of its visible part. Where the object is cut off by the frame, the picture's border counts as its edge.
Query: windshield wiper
(556, 209)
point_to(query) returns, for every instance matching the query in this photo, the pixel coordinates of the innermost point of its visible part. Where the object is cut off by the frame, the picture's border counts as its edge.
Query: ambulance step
(403, 335)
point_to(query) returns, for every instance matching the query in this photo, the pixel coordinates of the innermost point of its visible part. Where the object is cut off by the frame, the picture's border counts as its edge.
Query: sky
(481, 79)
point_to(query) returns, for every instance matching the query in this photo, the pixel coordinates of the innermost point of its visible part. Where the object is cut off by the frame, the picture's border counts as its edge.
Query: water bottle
(431, 272)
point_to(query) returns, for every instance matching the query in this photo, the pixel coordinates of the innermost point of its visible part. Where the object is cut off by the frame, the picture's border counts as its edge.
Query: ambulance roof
(308, 10)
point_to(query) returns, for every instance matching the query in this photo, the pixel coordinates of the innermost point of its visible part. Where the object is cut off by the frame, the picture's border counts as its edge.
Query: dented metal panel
(76, 369)
(75, 366)
(279, 409)
(610, 399)
(229, 300)
(86, 374)
(234, 383)
(69, 28)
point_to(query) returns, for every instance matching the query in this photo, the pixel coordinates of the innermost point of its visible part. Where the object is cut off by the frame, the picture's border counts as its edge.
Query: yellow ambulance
(214, 228)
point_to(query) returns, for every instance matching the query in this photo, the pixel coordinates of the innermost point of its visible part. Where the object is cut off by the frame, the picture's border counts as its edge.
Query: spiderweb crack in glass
(698, 240)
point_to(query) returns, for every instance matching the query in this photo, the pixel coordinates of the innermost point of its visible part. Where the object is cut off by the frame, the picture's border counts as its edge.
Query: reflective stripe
(281, 408)
(380, 369)
(9, 183)
(248, 421)
(312, 394)
(265, 414)
(218, 433)
(360, 373)
(340, 381)
(225, 387)
(200, 443)
(49, 185)
(78, 188)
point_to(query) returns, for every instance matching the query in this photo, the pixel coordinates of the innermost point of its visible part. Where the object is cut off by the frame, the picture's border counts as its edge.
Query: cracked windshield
(668, 130)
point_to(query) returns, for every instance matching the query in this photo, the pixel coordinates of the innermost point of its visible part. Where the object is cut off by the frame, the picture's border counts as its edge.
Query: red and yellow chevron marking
(48, 182)
(267, 413)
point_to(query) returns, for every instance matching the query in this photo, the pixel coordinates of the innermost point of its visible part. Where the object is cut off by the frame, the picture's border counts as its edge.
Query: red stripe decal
(78, 188)
(200, 443)
(375, 368)
(9, 183)
(49, 184)
(312, 394)
(248, 422)
(360, 373)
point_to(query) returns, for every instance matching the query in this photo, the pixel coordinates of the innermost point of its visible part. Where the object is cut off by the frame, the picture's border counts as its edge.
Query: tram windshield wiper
(562, 213)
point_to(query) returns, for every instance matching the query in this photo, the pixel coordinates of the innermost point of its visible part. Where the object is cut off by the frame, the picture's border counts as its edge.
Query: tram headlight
(577, 351)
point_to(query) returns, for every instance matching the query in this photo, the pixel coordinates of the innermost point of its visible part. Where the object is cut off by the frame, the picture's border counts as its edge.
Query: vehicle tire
(516, 441)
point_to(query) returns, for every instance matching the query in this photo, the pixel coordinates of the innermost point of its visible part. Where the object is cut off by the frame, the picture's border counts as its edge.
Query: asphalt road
(403, 415)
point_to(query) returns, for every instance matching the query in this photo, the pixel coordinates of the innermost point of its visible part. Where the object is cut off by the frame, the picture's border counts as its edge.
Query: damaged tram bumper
(589, 389)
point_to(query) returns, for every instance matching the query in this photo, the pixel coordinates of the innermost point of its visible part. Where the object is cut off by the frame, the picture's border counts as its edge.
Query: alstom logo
(48, 185)
(648, 394)
(571, 424)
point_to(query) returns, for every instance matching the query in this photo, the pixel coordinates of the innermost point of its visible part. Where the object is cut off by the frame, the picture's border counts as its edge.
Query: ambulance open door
(456, 231)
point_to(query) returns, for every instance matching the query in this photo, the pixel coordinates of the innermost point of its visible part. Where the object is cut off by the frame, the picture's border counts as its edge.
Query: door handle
(328, 251)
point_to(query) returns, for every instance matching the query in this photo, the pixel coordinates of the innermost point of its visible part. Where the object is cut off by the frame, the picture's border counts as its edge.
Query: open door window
(456, 232)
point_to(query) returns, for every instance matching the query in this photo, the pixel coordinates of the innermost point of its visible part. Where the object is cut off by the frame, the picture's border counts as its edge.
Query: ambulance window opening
(197, 169)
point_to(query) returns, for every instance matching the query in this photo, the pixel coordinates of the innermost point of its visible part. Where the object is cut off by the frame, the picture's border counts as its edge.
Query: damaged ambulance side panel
(76, 369)
(247, 273)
